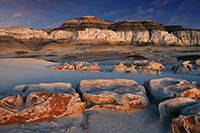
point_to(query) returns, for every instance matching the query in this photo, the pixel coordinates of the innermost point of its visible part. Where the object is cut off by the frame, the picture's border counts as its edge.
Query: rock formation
(80, 66)
(43, 102)
(150, 68)
(120, 68)
(188, 121)
(85, 66)
(165, 88)
(170, 109)
(93, 30)
(118, 94)
(197, 65)
(66, 66)
(186, 124)
(183, 67)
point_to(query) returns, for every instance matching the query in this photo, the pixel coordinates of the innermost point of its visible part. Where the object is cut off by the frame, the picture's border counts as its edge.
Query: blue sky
(43, 14)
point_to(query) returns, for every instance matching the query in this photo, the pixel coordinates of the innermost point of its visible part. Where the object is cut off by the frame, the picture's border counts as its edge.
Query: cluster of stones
(39, 102)
(178, 102)
(80, 66)
(142, 67)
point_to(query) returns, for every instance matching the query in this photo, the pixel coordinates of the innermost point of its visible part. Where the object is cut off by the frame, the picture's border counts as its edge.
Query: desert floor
(18, 71)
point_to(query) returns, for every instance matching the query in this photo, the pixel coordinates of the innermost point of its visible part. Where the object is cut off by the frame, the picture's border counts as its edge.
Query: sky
(43, 14)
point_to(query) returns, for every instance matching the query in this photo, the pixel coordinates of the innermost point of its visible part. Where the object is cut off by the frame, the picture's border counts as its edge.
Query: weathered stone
(183, 67)
(191, 110)
(170, 109)
(131, 69)
(64, 67)
(197, 62)
(152, 68)
(165, 88)
(186, 124)
(188, 121)
(85, 66)
(156, 66)
(11, 103)
(119, 68)
(40, 105)
(197, 68)
(118, 94)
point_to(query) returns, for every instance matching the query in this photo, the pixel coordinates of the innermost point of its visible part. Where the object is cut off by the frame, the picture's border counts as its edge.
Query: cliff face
(90, 29)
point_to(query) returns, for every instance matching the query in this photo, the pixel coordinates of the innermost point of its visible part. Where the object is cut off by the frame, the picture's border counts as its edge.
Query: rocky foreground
(177, 100)
(93, 30)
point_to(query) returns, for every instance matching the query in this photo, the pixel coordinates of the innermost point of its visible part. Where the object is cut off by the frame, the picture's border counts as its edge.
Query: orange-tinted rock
(41, 106)
(156, 66)
(12, 103)
(131, 69)
(65, 67)
(165, 88)
(183, 67)
(118, 94)
(85, 66)
(152, 68)
(197, 62)
(186, 124)
(119, 68)
(170, 109)
(188, 121)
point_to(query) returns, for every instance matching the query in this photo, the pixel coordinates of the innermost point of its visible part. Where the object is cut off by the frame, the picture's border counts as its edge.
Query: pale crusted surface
(118, 94)
(164, 88)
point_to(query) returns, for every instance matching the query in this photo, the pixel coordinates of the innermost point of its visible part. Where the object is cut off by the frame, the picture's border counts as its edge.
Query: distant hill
(93, 30)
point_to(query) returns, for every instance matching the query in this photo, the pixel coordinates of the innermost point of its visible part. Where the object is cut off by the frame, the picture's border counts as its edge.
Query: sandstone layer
(118, 94)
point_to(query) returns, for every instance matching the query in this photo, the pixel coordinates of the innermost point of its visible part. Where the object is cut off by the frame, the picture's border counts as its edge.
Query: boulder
(131, 69)
(119, 68)
(64, 67)
(188, 121)
(191, 110)
(197, 62)
(183, 67)
(165, 88)
(85, 66)
(118, 94)
(170, 109)
(39, 105)
(197, 68)
(156, 66)
(152, 68)
(186, 124)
